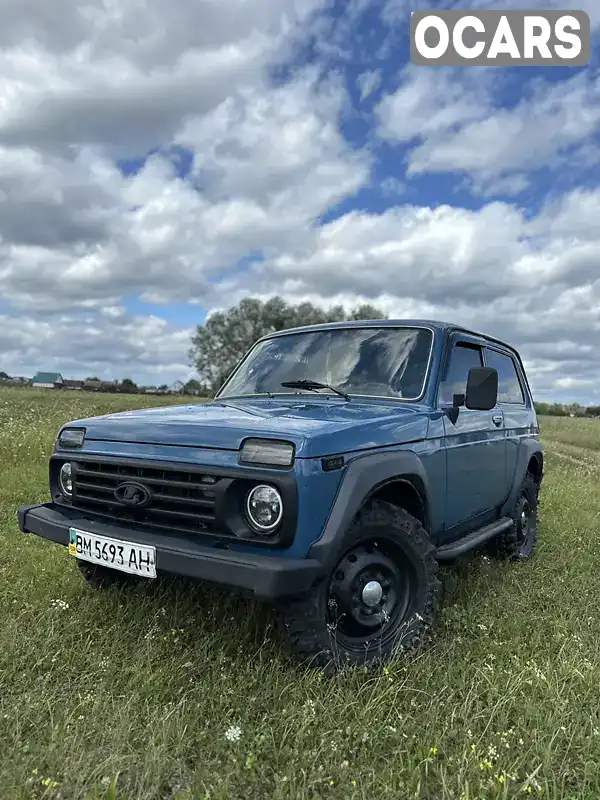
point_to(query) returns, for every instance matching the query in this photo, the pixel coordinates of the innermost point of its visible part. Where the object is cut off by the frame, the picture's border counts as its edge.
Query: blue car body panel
(317, 426)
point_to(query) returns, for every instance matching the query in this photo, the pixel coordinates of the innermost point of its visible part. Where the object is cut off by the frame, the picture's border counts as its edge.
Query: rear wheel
(518, 542)
(381, 595)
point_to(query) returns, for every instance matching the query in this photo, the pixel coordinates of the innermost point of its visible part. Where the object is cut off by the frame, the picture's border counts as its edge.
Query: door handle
(497, 419)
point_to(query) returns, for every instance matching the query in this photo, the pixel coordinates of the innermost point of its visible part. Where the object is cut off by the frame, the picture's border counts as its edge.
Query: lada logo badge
(132, 494)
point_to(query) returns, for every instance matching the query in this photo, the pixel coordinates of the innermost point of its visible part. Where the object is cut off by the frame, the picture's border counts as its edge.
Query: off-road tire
(508, 545)
(303, 620)
(100, 577)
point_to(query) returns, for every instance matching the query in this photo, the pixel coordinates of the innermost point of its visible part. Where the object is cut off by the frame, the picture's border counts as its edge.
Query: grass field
(179, 691)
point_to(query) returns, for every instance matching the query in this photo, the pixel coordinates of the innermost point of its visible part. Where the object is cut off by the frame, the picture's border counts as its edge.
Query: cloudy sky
(160, 159)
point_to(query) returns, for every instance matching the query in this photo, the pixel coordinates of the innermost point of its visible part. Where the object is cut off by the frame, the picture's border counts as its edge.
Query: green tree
(193, 387)
(128, 386)
(226, 336)
(4, 376)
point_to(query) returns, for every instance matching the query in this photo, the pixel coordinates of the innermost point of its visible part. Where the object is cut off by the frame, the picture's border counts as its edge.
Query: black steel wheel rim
(524, 523)
(369, 594)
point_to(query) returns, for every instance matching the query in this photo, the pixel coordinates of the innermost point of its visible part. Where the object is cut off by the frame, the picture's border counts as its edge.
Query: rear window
(509, 386)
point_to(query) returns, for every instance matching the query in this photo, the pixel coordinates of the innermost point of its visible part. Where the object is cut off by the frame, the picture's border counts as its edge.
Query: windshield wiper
(312, 386)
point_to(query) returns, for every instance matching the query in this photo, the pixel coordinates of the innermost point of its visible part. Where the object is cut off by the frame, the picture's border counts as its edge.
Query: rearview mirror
(482, 388)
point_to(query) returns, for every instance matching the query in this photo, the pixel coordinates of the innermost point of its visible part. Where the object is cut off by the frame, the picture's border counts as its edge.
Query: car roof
(436, 325)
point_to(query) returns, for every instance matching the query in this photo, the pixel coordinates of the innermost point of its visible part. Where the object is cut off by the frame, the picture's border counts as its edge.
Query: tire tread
(302, 622)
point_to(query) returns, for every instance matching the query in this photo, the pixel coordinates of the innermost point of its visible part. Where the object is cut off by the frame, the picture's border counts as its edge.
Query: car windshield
(377, 362)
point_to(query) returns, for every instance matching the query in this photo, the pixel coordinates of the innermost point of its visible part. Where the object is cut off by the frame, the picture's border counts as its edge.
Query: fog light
(264, 508)
(65, 479)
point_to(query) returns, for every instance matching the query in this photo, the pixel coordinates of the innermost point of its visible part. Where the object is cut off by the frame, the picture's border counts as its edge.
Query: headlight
(267, 452)
(65, 479)
(71, 437)
(264, 508)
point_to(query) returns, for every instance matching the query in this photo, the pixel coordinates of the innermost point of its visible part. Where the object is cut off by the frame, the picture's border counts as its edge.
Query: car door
(475, 445)
(513, 405)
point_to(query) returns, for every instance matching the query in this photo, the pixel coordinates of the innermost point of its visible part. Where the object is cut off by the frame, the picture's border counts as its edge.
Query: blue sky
(155, 167)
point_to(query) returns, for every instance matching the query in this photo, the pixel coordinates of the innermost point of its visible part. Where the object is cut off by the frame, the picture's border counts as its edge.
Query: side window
(462, 358)
(509, 386)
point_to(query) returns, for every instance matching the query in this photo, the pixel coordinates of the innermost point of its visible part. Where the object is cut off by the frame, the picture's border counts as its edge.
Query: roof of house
(47, 377)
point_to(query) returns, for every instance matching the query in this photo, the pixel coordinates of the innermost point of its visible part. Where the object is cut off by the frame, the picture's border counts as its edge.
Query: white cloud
(281, 149)
(53, 202)
(268, 163)
(118, 346)
(368, 82)
(125, 76)
(452, 122)
(432, 102)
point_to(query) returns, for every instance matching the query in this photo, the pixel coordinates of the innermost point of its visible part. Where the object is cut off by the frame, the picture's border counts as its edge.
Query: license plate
(137, 559)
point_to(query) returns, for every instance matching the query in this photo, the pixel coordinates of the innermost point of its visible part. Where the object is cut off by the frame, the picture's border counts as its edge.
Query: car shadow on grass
(236, 626)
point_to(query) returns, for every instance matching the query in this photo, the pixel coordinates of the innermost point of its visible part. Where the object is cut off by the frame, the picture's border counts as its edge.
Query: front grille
(179, 500)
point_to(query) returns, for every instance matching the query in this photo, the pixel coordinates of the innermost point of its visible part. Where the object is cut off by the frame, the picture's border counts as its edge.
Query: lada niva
(334, 470)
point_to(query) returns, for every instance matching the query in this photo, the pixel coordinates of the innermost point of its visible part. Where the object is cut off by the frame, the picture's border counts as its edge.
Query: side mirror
(482, 388)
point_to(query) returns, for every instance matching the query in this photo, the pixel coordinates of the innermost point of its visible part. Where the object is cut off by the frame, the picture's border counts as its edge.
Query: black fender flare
(364, 475)
(528, 448)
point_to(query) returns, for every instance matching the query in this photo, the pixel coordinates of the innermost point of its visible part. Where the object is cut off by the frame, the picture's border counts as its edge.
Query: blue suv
(335, 469)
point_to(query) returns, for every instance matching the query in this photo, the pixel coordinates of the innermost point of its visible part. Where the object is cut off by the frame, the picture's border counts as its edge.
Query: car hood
(317, 426)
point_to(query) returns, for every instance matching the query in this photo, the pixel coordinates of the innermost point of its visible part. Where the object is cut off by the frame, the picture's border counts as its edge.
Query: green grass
(108, 695)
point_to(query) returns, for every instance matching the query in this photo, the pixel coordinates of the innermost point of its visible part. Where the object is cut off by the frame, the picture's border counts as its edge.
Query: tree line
(567, 410)
(126, 386)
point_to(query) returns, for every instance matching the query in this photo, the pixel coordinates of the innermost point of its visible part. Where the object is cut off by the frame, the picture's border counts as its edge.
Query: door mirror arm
(452, 411)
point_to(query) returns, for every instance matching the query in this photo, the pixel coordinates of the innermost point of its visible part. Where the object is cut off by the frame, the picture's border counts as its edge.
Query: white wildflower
(60, 604)
(233, 733)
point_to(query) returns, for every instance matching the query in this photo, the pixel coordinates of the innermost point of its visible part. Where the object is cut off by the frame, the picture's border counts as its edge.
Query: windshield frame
(295, 332)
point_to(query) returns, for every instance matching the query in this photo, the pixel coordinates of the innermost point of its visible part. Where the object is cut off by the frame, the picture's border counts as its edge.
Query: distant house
(92, 386)
(48, 380)
(176, 388)
(69, 384)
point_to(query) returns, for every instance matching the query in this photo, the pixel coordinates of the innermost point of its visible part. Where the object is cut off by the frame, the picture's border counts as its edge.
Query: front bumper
(267, 577)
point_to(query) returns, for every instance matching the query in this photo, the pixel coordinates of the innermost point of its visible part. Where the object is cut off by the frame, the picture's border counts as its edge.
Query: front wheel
(380, 596)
